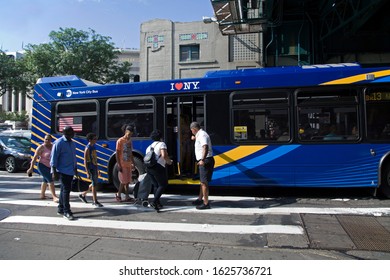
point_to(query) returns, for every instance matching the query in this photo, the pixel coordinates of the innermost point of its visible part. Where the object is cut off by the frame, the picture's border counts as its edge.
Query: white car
(22, 133)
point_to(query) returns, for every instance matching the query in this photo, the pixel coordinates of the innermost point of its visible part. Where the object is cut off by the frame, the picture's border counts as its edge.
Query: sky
(24, 22)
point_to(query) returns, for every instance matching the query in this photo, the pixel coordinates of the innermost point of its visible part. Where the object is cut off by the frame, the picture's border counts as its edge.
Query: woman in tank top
(43, 152)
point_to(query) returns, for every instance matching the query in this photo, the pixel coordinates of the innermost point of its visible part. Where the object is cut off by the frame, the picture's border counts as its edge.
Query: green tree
(14, 116)
(75, 52)
(8, 69)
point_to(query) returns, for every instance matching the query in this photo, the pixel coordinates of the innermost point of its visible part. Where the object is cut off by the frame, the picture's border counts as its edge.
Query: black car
(14, 153)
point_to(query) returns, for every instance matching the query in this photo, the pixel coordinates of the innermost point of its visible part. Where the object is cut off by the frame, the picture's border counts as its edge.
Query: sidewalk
(328, 237)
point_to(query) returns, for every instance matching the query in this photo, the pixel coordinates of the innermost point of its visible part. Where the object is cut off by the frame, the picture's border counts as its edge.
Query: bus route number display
(378, 96)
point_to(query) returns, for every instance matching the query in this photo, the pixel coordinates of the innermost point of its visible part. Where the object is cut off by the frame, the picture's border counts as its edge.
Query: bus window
(259, 116)
(218, 126)
(135, 111)
(378, 118)
(328, 116)
(81, 115)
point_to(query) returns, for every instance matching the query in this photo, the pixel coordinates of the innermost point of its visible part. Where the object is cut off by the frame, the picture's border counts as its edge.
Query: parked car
(21, 132)
(4, 126)
(14, 153)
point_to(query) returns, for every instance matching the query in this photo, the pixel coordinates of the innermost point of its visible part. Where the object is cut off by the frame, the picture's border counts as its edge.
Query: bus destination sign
(378, 96)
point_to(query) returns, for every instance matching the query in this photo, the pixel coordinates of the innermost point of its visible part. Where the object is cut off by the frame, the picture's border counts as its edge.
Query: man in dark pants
(64, 166)
(156, 175)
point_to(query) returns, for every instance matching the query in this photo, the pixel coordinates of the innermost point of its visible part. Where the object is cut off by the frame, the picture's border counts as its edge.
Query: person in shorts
(205, 159)
(91, 167)
(43, 152)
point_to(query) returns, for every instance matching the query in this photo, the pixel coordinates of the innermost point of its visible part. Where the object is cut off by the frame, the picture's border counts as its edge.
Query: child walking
(91, 167)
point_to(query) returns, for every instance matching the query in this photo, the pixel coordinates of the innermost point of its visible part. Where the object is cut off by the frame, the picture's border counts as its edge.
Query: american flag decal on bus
(75, 122)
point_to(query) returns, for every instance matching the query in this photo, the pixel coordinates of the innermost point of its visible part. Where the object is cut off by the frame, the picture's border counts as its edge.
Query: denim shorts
(94, 177)
(45, 172)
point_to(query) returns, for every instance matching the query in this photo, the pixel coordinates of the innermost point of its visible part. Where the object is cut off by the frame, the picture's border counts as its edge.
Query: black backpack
(150, 159)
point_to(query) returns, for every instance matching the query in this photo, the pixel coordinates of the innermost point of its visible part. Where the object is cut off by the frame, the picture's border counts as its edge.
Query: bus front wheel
(139, 169)
(385, 185)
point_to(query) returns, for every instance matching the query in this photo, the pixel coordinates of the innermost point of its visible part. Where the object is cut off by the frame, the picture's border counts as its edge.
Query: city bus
(317, 126)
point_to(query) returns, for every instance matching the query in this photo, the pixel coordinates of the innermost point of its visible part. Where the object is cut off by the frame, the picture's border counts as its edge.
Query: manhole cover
(4, 213)
(366, 232)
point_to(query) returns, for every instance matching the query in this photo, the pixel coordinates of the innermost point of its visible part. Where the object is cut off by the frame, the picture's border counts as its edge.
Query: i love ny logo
(184, 86)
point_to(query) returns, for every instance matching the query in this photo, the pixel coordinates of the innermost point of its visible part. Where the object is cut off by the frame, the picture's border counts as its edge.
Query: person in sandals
(125, 162)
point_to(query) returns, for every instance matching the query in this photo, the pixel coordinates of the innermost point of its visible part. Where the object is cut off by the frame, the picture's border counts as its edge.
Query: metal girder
(241, 16)
(347, 14)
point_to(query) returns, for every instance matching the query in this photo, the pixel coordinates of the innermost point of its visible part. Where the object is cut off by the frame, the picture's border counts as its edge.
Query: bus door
(179, 113)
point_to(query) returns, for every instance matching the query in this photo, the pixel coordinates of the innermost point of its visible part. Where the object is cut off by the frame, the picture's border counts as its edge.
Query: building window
(189, 52)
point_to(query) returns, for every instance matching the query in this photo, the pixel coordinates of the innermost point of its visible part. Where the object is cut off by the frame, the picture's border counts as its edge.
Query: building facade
(12, 100)
(174, 50)
(131, 56)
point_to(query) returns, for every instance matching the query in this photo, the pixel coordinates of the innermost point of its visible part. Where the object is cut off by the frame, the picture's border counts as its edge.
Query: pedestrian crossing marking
(156, 226)
(255, 210)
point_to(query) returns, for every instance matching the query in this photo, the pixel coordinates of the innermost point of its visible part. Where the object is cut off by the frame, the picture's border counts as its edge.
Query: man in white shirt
(205, 159)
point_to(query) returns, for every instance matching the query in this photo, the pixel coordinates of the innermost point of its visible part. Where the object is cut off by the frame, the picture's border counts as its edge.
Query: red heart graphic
(179, 86)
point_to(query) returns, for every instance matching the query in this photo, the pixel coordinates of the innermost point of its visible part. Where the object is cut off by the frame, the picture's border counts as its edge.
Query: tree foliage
(86, 54)
(14, 116)
(75, 52)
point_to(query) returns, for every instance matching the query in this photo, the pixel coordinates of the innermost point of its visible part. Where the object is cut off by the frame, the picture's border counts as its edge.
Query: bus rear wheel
(385, 185)
(139, 170)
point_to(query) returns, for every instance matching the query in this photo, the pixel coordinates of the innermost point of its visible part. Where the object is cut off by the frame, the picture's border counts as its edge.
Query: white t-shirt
(158, 146)
(201, 139)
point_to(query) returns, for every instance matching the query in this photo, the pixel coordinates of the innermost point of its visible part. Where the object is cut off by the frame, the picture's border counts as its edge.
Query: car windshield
(15, 142)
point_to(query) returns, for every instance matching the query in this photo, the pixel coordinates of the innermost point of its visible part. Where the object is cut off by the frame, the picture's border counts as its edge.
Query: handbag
(79, 185)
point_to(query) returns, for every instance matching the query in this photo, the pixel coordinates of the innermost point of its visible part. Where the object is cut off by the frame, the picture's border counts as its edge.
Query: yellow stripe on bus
(358, 78)
(46, 117)
(236, 154)
(183, 182)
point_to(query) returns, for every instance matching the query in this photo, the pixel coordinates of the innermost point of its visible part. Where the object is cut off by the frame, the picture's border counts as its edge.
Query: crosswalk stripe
(155, 226)
(170, 196)
(217, 210)
(20, 182)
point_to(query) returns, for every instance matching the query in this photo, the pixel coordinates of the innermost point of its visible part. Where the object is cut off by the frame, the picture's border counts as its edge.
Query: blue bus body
(240, 162)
